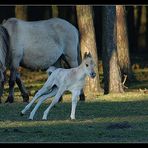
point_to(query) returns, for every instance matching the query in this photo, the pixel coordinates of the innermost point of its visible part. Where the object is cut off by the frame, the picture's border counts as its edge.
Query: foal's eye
(86, 65)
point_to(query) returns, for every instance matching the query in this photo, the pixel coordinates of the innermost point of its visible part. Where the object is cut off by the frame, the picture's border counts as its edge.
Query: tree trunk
(122, 42)
(111, 70)
(131, 28)
(55, 11)
(21, 12)
(146, 28)
(88, 43)
(47, 12)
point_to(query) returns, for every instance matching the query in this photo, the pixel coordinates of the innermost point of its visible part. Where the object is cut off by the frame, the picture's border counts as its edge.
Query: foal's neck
(81, 72)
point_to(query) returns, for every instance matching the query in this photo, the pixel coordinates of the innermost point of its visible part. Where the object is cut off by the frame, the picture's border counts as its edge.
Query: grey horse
(35, 45)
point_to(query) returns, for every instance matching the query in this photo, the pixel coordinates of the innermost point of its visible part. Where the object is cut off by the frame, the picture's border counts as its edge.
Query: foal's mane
(4, 46)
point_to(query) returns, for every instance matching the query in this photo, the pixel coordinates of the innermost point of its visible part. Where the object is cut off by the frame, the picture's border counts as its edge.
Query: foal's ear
(87, 55)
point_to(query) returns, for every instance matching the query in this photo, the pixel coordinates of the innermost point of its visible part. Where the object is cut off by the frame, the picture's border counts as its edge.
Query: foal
(60, 81)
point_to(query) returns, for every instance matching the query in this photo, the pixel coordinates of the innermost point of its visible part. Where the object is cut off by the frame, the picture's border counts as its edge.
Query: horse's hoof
(25, 98)
(31, 119)
(26, 101)
(10, 99)
(82, 97)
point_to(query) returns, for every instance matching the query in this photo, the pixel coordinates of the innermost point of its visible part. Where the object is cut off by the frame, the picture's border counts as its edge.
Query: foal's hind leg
(41, 92)
(22, 88)
(42, 99)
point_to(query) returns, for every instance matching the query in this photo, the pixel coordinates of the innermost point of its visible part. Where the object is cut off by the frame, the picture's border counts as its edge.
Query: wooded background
(113, 34)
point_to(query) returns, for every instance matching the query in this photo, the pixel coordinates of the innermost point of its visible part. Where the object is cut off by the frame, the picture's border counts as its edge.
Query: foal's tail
(51, 69)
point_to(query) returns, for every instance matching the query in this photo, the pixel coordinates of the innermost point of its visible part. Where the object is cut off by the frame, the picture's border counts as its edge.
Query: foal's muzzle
(93, 74)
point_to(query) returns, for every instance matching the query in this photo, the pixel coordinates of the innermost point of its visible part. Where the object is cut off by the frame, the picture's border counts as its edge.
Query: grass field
(101, 118)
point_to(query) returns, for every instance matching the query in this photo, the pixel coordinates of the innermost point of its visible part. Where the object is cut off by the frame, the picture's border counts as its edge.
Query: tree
(21, 12)
(55, 11)
(88, 43)
(131, 27)
(111, 70)
(122, 42)
(47, 12)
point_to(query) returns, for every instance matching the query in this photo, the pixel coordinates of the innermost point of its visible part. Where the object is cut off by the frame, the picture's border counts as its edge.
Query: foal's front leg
(75, 95)
(12, 80)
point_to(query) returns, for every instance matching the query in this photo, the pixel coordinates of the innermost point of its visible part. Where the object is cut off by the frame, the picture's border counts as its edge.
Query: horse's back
(61, 25)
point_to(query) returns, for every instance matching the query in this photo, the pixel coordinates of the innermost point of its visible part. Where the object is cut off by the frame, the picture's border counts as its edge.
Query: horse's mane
(4, 46)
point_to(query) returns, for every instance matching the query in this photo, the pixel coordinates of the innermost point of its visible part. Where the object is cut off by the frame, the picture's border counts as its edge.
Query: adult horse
(35, 45)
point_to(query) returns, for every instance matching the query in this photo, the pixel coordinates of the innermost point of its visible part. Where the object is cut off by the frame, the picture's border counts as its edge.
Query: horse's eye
(86, 65)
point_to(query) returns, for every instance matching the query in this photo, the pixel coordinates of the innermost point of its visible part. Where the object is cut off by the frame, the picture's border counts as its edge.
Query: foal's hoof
(21, 114)
(72, 118)
(44, 118)
(31, 119)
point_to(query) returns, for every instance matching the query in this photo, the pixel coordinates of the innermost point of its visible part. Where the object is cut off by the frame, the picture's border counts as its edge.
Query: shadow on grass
(91, 124)
(84, 110)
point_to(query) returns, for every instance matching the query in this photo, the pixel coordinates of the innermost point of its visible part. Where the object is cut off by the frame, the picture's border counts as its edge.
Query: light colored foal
(60, 81)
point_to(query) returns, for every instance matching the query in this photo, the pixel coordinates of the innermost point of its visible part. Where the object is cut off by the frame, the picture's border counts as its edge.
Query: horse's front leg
(22, 88)
(82, 96)
(2, 85)
(12, 80)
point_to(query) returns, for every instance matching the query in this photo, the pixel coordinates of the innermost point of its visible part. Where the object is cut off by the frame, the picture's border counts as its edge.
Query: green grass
(93, 117)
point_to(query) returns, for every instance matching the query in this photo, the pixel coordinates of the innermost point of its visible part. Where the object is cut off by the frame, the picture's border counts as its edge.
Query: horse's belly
(39, 61)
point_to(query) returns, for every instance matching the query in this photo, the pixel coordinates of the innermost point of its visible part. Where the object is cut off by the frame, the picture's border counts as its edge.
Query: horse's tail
(51, 69)
(5, 44)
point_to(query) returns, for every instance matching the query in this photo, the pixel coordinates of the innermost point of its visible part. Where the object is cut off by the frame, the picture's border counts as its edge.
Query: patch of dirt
(120, 125)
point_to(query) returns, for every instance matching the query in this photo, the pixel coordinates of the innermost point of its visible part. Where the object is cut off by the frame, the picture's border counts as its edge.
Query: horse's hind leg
(22, 88)
(12, 80)
(2, 85)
